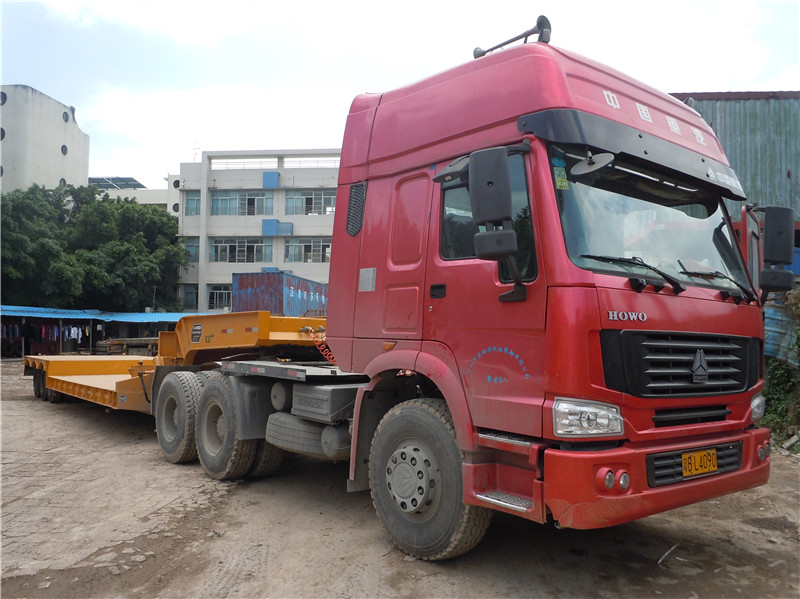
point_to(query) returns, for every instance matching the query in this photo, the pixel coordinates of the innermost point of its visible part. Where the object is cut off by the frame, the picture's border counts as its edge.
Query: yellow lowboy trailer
(235, 391)
(127, 382)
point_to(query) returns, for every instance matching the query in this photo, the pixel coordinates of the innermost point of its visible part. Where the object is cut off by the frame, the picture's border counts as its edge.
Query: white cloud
(154, 131)
(186, 22)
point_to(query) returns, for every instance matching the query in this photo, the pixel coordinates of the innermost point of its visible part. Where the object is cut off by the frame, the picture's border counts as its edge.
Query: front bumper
(576, 494)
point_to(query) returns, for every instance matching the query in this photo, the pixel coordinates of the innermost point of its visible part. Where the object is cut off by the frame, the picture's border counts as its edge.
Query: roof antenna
(542, 28)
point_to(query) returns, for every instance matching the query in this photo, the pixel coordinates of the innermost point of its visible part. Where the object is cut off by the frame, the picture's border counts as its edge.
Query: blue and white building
(251, 211)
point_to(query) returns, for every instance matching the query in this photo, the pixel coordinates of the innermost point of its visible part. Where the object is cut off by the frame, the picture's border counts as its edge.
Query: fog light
(762, 454)
(624, 481)
(757, 405)
(609, 479)
(768, 449)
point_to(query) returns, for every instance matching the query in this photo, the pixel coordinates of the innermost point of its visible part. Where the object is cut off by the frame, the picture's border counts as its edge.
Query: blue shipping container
(279, 293)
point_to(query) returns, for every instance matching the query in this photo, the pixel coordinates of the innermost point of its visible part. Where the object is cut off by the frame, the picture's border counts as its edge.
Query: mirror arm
(519, 293)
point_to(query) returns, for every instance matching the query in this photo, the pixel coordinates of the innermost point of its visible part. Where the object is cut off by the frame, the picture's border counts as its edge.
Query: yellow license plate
(696, 463)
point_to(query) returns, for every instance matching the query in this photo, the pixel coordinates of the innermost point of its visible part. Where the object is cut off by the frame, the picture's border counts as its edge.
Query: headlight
(758, 404)
(580, 418)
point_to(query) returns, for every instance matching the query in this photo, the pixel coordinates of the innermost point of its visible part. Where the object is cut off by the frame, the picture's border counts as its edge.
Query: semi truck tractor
(538, 305)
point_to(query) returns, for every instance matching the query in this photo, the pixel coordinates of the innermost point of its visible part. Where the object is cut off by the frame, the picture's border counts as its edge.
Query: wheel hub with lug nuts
(410, 478)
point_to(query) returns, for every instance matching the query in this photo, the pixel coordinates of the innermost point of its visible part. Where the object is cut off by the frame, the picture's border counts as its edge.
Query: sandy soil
(90, 509)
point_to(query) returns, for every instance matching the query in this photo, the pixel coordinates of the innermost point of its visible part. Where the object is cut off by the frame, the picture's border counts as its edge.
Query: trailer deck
(126, 382)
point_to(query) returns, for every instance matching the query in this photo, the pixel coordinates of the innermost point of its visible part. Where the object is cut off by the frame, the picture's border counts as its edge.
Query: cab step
(506, 500)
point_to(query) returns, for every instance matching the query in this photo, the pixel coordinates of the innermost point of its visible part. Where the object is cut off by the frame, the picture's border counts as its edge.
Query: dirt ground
(90, 509)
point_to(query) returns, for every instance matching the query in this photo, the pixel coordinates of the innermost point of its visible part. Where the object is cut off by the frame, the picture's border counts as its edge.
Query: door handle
(438, 291)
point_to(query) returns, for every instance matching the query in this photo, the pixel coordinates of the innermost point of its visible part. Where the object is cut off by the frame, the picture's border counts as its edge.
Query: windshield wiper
(715, 274)
(636, 261)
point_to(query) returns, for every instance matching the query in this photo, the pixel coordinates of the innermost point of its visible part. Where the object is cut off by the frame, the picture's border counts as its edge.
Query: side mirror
(778, 235)
(774, 279)
(490, 187)
(778, 244)
(495, 245)
(490, 198)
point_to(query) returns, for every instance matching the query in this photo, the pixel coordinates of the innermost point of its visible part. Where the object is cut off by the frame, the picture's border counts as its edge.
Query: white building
(244, 212)
(41, 142)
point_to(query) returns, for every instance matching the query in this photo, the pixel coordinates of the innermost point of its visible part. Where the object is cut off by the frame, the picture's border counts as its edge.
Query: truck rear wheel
(415, 478)
(222, 454)
(268, 458)
(175, 416)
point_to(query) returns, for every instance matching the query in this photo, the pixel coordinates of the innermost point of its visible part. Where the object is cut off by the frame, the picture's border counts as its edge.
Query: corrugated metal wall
(760, 132)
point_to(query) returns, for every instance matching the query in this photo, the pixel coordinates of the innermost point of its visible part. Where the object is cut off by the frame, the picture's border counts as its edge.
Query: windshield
(622, 219)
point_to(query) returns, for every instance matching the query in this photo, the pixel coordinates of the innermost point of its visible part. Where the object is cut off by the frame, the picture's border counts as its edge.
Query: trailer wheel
(39, 383)
(268, 458)
(222, 454)
(52, 395)
(175, 416)
(415, 478)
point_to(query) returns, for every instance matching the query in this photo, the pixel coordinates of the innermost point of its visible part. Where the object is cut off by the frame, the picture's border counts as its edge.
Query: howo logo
(627, 316)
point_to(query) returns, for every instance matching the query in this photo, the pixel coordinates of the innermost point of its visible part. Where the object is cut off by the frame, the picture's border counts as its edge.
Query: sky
(155, 83)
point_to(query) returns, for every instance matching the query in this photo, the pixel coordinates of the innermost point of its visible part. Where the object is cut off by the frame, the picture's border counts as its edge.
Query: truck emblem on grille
(627, 316)
(700, 368)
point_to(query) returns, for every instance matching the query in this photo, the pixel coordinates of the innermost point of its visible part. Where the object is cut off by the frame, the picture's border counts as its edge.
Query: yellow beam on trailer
(234, 331)
(126, 382)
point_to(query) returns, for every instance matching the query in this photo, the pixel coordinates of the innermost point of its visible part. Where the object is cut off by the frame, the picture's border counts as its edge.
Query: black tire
(207, 375)
(175, 416)
(52, 395)
(268, 459)
(416, 483)
(222, 454)
(39, 383)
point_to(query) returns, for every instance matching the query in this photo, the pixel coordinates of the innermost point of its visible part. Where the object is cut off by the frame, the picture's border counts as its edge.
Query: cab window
(458, 227)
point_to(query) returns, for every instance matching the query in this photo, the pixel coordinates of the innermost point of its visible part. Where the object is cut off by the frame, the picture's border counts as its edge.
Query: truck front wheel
(175, 416)
(415, 478)
(222, 454)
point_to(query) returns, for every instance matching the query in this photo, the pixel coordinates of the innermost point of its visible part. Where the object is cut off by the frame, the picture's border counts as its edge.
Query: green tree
(75, 248)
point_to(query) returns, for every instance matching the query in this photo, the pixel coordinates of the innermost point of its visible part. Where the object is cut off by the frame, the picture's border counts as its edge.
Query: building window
(241, 203)
(240, 249)
(189, 299)
(192, 246)
(310, 201)
(307, 249)
(192, 203)
(219, 296)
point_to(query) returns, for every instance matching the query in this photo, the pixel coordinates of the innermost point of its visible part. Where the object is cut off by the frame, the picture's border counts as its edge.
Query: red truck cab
(533, 250)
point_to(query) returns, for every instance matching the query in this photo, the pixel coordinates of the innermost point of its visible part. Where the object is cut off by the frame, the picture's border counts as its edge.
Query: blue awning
(59, 314)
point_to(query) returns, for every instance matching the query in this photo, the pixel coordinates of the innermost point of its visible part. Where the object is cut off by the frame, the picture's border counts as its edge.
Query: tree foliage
(72, 247)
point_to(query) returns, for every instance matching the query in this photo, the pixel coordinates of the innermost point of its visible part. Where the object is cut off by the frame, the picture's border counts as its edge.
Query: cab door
(498, 346)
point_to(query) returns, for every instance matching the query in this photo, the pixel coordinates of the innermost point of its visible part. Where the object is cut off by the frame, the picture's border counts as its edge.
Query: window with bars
(307, 249)
(192, 205)
(241, 203)
(310, 201)
(192, 247)
(219, 296)
(240, 249)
